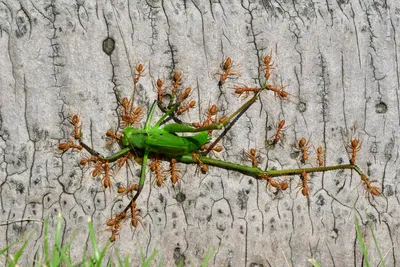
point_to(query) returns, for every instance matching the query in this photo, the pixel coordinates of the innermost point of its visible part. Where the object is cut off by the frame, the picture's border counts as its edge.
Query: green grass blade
(4, 250)
(46, 241)
(314, 263)
(56, 260)
(148, 261)
(120, 263)
(63, 252)
(65, 258)
(94, 241)
(123, 263)
(102, 254)
(142, 257)
(363, 246)
(98, 256)
(161, 263)
(377, 247)
(209, 254)
(127, 260)
(84, 259)
(180, 264)
(20, 251)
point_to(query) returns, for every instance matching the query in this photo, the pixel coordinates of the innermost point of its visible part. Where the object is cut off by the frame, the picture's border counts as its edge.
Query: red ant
(267, 66)
(138, 73)
(216, 148)
(176, 81)
(226, 71)
(203, 167)
(278, 90)
(278, 185)
(185, 94)
(110, 133)
(279, 131)
(65, 146)
(320, 156)
(77, 129)
(135, 215)
(126, 190)
(374, 190)
(354, 147)
(252, 157)
(156, 168)
(303, 145)
(305, 190)
(246, 91)
(160, 94)
(106, 178)
(173, 171)
(89, 160)
(186, 107)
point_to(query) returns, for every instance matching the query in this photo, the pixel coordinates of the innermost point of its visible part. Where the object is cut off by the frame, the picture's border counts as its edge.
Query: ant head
(159, 83)
(302, 142)
(176, 76)
(354, 142)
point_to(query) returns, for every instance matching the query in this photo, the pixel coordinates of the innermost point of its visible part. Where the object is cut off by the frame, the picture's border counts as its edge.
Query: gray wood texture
(340, 60)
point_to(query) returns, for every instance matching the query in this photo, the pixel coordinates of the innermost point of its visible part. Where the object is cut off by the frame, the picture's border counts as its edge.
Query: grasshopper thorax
(135, 138)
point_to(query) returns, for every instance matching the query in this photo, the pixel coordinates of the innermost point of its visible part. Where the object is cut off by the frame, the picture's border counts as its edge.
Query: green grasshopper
(163, 140)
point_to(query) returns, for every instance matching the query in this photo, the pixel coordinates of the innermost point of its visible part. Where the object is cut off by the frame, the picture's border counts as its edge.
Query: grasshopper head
(127, 134)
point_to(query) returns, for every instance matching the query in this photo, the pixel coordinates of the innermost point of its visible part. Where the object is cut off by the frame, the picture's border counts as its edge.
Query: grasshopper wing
(174, 145)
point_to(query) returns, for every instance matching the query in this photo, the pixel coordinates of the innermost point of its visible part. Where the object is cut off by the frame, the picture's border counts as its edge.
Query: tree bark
(339, 60)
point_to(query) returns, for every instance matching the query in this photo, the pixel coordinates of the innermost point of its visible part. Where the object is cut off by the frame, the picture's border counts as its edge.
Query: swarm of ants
(131, 116)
